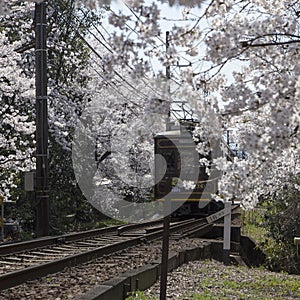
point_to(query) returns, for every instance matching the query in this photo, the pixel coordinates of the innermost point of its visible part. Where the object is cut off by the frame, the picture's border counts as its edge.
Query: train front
(177, 164)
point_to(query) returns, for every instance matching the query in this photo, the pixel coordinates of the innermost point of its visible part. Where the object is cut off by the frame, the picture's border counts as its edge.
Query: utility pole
(167, 206)
(168, 75)
(41, 187)
(168, 67)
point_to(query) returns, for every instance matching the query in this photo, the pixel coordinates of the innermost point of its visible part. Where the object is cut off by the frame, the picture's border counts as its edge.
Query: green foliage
(253, 224)
(67, 54)
(259, 284)
(282, 220)
(68, 58)
(70, 211)
(21, 212)
(274, 224)
(265, 287)
(138, 295)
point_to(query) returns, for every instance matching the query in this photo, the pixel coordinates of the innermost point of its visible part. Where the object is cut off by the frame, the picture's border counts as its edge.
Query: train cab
(177, 163)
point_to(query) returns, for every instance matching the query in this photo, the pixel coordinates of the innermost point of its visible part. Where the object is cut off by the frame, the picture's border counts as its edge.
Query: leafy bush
(282, 219)
(138, 295)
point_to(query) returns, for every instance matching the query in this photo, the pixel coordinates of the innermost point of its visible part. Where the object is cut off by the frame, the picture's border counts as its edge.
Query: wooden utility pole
(41, 187)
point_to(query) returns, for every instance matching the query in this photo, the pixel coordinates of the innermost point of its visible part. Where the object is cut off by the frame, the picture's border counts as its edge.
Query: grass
(245, 284)
(219, 282)
(138, 295)
(265, 287)
(252, 225)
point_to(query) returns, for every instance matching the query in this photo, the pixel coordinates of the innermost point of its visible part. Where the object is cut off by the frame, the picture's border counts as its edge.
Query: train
(182, 179)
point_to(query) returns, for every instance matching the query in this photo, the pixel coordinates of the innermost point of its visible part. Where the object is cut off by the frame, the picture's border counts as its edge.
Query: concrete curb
(143, 277)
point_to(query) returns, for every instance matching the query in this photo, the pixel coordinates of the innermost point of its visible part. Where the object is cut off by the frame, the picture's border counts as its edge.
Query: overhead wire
(185, 110)
(133, 30)
(156, 36)
(111, 51)
(100, 57)
(131, 68)
(109, 82)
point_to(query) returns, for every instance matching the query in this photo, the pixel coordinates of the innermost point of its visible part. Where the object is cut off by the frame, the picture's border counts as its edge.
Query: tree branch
(248, 44)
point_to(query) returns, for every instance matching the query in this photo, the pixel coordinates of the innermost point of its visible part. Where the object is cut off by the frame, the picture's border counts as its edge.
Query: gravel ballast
(72, 282)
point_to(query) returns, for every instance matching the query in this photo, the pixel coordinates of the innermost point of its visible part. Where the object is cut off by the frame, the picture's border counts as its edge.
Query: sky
(174, 16)
(171, 16)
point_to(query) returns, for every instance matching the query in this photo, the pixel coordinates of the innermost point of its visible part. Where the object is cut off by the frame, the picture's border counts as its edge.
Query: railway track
(30, 260)
(24, 262)
(70, 283)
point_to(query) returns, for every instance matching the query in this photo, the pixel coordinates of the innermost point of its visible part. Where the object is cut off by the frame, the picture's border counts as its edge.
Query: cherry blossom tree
(68, 59)
(261, 99)
(120, 120)
(17, 127)
(257, 41)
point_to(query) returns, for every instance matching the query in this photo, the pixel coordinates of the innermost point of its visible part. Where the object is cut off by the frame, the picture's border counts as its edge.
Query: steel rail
(17, 277)
(160, 226)
(70, 237)
(199, 231)
(129, 227)
(54, 240)
(20, 276)
(186, 228)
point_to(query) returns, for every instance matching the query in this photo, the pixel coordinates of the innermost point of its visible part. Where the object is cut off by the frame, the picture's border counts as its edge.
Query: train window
(171, 157)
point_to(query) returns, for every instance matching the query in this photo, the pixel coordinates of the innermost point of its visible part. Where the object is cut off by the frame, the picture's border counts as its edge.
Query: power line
(114, 71)
(100, 57)
(108, 82)
(157, 36)
(117, 73)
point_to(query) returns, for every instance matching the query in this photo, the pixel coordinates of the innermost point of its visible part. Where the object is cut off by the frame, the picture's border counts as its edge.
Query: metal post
(227, 229)
(165, 256)
(42, 197)
(167, 202)
(164, 259)
(165, 245)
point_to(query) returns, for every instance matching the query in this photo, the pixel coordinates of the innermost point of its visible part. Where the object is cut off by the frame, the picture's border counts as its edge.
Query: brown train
(179, 174)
